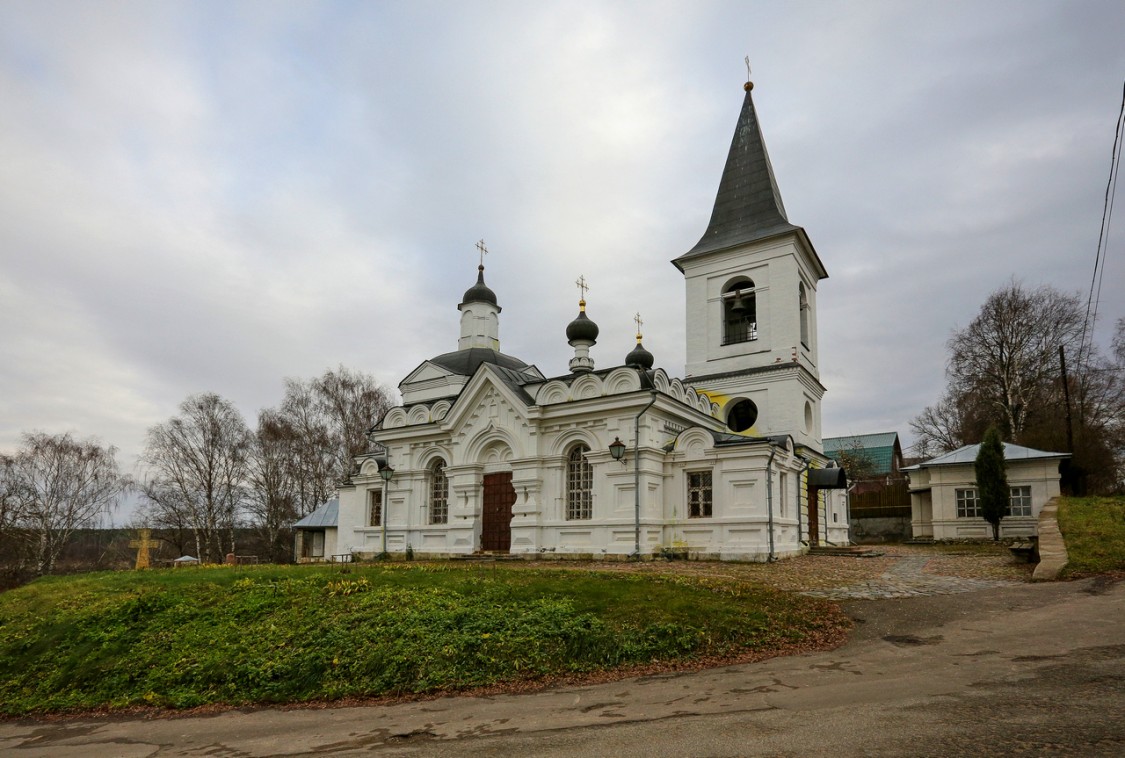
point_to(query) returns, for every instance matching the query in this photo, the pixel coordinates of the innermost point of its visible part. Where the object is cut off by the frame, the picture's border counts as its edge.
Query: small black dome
(639, 357)
(582, 328)
(479, 292)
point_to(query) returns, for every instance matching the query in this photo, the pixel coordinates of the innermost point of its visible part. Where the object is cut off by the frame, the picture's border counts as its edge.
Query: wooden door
(814, 516)
(496, 517)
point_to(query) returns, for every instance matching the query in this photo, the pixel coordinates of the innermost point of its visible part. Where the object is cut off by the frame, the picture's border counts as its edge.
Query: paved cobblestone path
(907, 578)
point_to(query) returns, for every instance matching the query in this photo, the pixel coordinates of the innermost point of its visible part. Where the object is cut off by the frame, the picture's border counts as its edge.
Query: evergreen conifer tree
(992, 480)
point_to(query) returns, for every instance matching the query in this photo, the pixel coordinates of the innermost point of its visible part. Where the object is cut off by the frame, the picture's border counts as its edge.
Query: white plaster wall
(1041, 475)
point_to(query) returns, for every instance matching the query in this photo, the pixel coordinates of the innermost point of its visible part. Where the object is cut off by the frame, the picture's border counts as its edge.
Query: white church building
(489, 455)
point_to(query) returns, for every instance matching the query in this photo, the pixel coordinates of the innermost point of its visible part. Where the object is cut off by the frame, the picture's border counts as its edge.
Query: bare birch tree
(1008, 356)
(324, 423)
(271, 502)
(55, 484)
(198, 465)
(352, 401)
(1004, 369)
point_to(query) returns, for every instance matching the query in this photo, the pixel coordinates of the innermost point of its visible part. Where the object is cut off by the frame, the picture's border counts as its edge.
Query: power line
(1094, 297)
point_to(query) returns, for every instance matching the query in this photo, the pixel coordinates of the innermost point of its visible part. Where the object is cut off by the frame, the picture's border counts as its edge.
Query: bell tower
(751, 300)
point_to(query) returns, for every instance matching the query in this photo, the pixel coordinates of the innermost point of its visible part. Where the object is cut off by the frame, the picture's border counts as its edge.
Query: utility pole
(1066, 394)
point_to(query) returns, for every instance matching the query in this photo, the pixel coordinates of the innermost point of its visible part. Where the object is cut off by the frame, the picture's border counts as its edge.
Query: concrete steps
(853, 551)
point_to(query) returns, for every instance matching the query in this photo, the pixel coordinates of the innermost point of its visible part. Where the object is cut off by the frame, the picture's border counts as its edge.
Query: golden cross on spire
(583, 287)
(637, 319)
(483, 248)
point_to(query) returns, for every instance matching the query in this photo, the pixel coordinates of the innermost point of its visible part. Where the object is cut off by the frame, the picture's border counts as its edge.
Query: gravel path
(900, 571)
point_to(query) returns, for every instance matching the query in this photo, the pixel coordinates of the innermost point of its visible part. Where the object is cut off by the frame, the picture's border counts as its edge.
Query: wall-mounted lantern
(617, 450)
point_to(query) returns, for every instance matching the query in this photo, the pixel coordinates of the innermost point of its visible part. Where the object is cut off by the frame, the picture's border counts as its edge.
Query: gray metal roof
(968, 454)
(466, 362)
(748, 206)
(326, 515)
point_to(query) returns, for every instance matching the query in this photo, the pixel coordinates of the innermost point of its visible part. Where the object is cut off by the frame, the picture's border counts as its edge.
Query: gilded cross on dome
(583, 287)
(637, 319)
(483, 248)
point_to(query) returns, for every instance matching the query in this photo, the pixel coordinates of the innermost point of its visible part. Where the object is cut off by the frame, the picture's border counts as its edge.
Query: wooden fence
(889, 500)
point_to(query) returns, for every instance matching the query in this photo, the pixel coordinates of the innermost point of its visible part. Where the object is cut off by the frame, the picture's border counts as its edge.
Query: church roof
(748, 206)
(466, 362)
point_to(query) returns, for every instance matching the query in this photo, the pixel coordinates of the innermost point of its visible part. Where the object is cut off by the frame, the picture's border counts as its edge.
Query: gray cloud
(215, 196)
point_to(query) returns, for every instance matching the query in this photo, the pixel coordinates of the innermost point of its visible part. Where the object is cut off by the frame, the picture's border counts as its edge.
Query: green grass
(1094, 531)
(193, 637)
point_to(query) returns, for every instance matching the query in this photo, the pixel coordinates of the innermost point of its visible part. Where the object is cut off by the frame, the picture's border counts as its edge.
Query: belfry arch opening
(740, 312)
(803, 300)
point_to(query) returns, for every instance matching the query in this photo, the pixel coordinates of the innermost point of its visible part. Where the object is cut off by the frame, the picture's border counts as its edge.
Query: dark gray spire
(748, 206)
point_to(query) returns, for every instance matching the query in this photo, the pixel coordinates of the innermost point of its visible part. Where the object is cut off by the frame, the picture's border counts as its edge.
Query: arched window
(439, 493)
(804, 300)
(579, 484)
(740, 312)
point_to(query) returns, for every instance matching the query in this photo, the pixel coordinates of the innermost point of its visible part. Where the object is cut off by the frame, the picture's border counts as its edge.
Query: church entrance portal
(496, 518)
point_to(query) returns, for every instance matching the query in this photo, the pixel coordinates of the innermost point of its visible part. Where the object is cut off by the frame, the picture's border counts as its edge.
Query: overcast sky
(201, 196)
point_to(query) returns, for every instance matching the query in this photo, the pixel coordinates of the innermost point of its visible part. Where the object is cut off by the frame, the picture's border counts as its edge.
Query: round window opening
(808, 417)
(742, 416)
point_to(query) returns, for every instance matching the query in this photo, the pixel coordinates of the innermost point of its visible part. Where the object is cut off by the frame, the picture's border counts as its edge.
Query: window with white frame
(579, 484)
(439, 493)
(968, 505)
(375, 507)
(699, 494)
(1019, 502)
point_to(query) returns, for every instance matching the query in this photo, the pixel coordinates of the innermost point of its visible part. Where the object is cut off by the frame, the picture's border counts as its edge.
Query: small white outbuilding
(944, 501)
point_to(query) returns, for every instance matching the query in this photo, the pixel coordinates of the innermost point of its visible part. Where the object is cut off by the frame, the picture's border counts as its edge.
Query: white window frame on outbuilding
(968, 503)
(1019, 503)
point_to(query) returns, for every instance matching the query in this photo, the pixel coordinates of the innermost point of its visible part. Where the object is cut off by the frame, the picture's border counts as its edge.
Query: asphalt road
(1023, 670)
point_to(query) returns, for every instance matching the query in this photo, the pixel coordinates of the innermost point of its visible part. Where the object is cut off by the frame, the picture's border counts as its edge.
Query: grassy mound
(192, 637)
(1094, 531)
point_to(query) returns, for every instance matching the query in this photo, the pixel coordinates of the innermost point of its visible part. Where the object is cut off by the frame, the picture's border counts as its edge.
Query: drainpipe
(637, 478)
(801, 508)
(769, 499)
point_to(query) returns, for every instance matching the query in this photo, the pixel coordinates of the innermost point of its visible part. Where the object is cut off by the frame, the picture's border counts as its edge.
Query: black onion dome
(582, 328)
(639, 357)
(479, 292)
